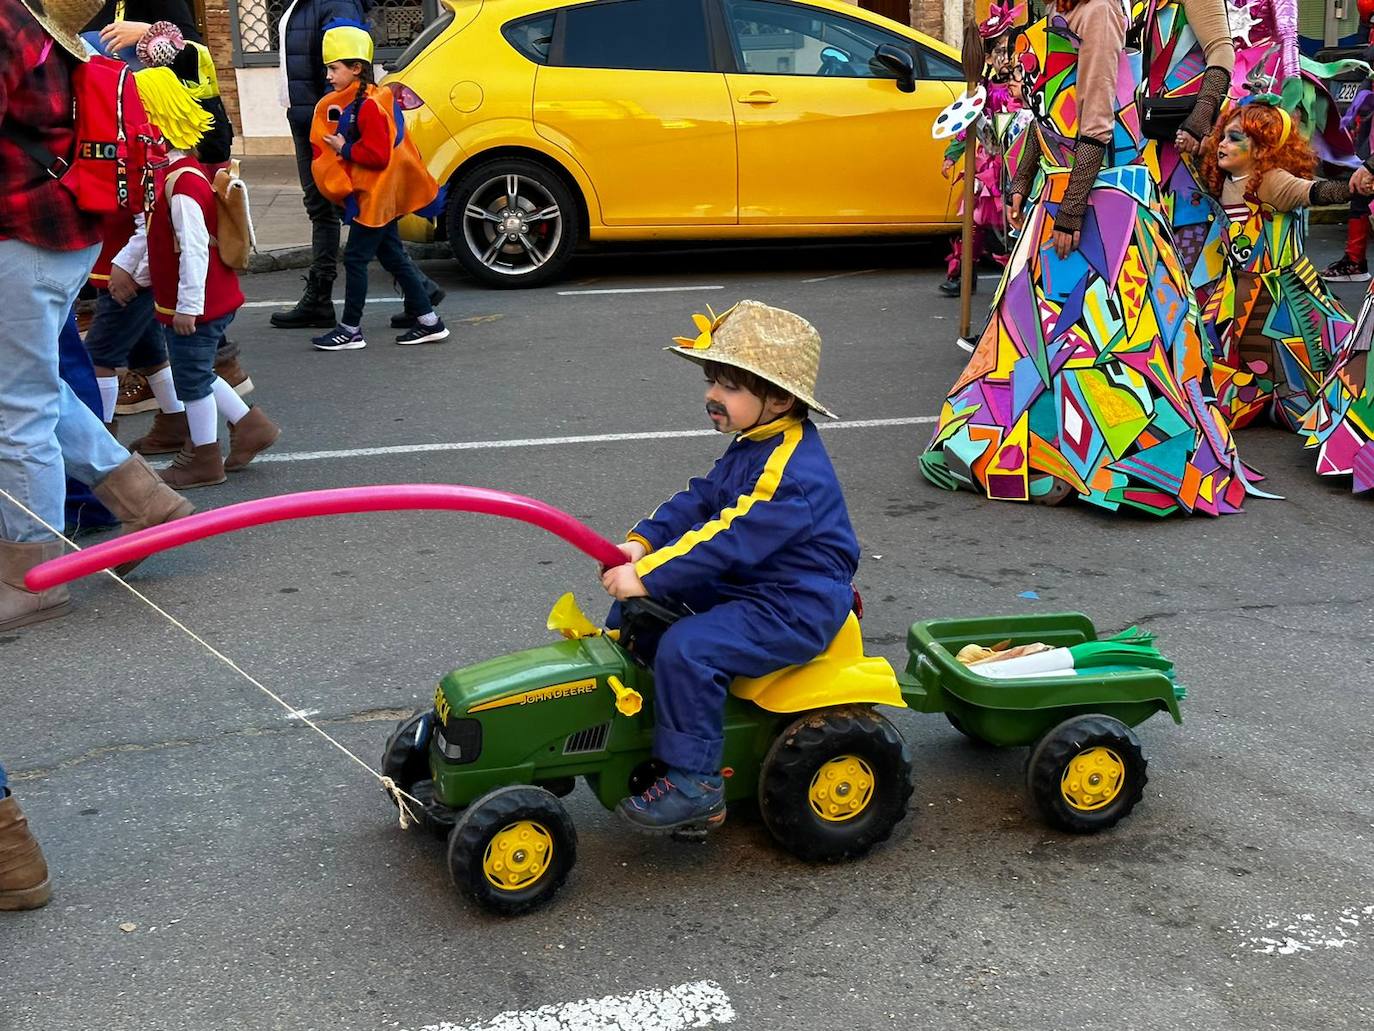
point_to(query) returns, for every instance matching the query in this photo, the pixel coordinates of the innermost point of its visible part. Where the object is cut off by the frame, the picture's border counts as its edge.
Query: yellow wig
(171, 107)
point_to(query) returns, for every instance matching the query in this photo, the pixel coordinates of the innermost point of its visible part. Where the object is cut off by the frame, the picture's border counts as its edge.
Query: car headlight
(459, 741)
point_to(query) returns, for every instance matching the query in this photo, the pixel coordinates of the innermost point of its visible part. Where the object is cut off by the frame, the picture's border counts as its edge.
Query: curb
(279, 259)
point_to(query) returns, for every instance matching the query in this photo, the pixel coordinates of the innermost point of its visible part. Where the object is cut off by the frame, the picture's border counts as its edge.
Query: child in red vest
(195, 297)
(365, 162)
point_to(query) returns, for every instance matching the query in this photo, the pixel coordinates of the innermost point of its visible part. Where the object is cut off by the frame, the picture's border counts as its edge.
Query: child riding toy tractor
(508, 737)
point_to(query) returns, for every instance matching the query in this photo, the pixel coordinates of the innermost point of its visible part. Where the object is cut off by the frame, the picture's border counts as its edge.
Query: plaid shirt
(36, 92)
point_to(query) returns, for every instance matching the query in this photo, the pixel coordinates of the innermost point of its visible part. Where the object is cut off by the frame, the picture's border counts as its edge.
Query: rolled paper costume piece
(401, 497)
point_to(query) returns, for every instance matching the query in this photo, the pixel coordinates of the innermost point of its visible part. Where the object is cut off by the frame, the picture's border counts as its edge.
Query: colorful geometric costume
(1341, 424)
(1279, 330)
(1091, 373)
(761, 548)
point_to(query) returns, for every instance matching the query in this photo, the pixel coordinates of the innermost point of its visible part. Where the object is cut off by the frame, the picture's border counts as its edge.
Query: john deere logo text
(543, 694)
(90, 150)
(441, 704)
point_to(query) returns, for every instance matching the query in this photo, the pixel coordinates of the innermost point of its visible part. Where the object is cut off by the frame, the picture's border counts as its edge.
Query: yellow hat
(63, 20)
(347, 42)
(171, 107)
(778, 345)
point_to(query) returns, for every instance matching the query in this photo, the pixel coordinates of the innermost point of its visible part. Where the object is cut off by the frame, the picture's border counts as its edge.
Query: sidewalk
(279, 220)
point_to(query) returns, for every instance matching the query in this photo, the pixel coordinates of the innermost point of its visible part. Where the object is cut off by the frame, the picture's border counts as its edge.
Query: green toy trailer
(506, 738)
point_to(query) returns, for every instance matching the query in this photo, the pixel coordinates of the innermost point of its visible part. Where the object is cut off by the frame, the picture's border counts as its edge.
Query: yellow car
(555, 123)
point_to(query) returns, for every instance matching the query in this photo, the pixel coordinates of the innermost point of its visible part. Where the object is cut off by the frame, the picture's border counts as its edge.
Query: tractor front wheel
(834, 784)
(1086, 774)
(512, 849)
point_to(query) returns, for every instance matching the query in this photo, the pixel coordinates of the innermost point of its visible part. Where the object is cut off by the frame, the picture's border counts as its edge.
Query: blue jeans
(125, 334)
(365, 243)
(74, 366)
(193, 357)
(42, 422)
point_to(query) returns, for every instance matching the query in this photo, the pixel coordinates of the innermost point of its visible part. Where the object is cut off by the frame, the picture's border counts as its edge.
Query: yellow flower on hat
(706, 325)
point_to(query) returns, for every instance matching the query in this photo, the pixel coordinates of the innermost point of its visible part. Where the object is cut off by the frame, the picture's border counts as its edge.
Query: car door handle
(758, 96)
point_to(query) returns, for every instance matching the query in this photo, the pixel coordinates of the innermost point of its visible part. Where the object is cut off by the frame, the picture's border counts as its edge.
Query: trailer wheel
(834, 784)
(1086, 774)
(512, 849)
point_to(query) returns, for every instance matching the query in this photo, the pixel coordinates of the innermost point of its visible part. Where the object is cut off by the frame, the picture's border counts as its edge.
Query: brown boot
(252, 434)
(229, 370)
(24, 880)
(139, 499)
(201, 466)
(165, 437)
(18, 605)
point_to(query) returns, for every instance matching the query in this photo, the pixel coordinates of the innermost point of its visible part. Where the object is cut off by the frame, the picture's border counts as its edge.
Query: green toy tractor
(507, 738)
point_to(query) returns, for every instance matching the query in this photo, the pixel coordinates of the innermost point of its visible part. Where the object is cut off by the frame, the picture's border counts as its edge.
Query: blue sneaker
(676, 801)
(340, 339)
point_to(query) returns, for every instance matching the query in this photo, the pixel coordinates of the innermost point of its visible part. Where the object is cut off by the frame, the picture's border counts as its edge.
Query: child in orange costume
(365, 162)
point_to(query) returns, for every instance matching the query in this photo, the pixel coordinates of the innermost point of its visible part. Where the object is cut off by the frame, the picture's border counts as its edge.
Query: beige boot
(24, 880)
(252, 434)
(18, 605)
(139, 498)
(201, 466)
(166, 436)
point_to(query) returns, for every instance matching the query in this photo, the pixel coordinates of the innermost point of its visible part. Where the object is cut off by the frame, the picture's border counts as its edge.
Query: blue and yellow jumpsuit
(762, 550)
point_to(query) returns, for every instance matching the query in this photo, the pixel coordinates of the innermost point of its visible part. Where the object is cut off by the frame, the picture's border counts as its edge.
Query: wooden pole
(973, 72)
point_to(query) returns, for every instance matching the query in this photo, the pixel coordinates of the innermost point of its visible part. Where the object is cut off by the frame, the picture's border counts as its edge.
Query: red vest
(115, 231)
(222, 293)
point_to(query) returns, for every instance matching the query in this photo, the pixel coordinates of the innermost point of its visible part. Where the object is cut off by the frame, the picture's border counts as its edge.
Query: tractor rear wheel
(512, 849)
(834, 784)
(1086, 774)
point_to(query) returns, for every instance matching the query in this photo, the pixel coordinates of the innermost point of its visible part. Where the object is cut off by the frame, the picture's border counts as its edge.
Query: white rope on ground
(398, 795)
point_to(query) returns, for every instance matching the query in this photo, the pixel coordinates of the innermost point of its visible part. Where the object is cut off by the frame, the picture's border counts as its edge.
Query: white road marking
(840, 275)
(593, 438)
(293, 300)
(638, 290)
(699, 1004)
(1305, 933)
(301, 714)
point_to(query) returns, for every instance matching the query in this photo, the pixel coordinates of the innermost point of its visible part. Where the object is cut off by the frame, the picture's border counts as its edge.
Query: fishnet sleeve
(1215, 82)
(1024, 178)
(1329, 191)
(1087, 162)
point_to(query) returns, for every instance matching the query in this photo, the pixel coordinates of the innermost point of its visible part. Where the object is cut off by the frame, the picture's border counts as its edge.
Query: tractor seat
(840, 675)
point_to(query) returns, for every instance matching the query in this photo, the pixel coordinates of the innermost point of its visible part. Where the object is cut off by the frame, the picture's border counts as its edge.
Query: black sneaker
(405, 319)
(420, 334)
(340, 339)
(1343, 270)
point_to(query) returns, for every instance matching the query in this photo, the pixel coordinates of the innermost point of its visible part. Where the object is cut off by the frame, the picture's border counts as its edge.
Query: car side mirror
(890, 61)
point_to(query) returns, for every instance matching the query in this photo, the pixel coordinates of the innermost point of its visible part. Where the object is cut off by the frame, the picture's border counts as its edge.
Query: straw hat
(63, 20)
(781, 347)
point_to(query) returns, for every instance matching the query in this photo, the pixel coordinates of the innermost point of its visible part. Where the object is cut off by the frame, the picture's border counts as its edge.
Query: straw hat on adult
(778, 345)
(64, 20)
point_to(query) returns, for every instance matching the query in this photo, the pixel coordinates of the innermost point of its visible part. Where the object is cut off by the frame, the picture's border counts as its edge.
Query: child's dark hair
(763, 389)
(363, 70)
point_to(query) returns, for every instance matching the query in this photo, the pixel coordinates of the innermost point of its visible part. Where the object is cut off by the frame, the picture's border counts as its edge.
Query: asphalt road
(265, 883)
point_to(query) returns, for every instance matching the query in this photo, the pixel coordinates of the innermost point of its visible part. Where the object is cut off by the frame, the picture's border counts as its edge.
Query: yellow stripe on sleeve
(763, 490)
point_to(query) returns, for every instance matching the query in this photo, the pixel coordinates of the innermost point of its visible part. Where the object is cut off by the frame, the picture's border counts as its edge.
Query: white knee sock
(203, 418)
(164, 390)
(229, 401)
(109, 394)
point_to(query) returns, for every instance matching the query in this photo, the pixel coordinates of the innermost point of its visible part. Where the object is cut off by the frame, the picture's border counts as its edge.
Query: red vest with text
(222, 293)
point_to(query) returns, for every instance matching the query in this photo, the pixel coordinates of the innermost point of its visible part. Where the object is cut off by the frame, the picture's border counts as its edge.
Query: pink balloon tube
(308, 504)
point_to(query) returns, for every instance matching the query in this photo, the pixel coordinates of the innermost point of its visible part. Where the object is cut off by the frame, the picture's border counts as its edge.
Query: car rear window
(531, 36)
(646, 35)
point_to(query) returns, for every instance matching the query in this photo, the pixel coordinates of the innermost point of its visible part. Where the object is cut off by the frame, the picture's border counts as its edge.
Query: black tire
(541, 231)
(402, 760)
(498, 813)
(794, 766)
(1066, 795)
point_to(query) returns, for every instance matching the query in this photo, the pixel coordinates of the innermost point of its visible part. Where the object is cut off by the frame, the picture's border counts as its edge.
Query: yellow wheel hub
(1092, 779)
(841, 789)
(518, 856)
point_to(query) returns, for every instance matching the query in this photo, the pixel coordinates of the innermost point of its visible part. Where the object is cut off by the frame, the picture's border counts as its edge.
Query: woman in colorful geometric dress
(1090, 378)
(1280, 332)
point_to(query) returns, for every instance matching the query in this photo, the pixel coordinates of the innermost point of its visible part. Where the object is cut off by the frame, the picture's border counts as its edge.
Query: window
(395, 25)
(938, 66)
(531, 37)
(788, 39)
(648, 35)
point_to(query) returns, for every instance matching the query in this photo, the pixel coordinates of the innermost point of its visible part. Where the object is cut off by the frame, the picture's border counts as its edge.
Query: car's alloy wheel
(512, 223)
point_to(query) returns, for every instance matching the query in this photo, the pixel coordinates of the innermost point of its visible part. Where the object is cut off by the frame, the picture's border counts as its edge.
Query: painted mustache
(716, 408)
